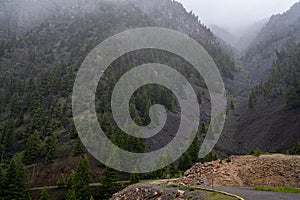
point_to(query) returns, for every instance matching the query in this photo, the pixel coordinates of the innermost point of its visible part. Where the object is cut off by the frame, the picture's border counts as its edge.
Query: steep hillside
(270, 118)
(171, 14)
(38, 68)
(282, 31)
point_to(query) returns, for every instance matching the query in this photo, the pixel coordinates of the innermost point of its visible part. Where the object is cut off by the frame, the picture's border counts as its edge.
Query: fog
(236, 15)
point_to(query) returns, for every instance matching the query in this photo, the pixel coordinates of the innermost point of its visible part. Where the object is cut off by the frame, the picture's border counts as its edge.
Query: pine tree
(134, 178)
(293, 96)
(82, 179)
(15, 183)
(203, 128)
(51, 149)
(70, 181)
(71, 195)
(185, 162)
(44, 195)
(79, 149)
(194, 149)
(8, 136)
(2, 176)
(251, 101)
(232, 106)
(61, 182)
(209, 157)
(32, 148)
(73, 133)
(15, 107)
(108, 183)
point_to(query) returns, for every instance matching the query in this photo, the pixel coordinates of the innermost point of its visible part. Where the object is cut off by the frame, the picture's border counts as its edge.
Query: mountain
(223, 34)
(39, 59)
(282, 31)
(270, 118)
(43, 44)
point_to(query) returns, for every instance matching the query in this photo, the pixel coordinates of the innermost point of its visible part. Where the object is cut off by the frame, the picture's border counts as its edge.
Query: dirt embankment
(267, 170)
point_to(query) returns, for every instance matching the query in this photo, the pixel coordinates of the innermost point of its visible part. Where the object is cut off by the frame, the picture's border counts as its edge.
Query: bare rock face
(267, 170)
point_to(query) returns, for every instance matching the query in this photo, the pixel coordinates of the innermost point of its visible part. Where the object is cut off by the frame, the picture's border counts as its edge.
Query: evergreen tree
(82, 179)
(8, 136)
(15, 107)
(194, 149)
(79, 149)
(51, 149)
(203, 128)
(71, 195)
(108, 183)
(70, 181)
(232, 106)
(73, 133)
(184, 162)
(32, 148)
(293, 96)
(251, 101)
(134, 178)
(15, 183)
(209, 157)
(2, 176)
(44, 195)
(61, 182)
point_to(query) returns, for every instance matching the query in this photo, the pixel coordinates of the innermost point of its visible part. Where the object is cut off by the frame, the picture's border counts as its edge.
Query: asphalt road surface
(252, 194)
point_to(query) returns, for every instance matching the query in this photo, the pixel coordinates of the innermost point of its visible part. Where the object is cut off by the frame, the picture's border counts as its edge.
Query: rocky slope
(267, 170)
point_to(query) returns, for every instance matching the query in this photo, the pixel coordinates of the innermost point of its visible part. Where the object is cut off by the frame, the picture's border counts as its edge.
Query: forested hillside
(42, 46)
(38, 68)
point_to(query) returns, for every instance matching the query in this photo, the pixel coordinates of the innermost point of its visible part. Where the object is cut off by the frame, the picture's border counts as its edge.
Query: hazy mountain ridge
(269, 118)
(282, 31)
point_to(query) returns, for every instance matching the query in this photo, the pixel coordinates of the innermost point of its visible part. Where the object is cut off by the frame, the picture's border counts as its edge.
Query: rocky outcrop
(267, 170)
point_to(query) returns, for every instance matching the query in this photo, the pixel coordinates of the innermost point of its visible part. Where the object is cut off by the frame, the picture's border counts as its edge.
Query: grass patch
(218, 196)
(278, 189)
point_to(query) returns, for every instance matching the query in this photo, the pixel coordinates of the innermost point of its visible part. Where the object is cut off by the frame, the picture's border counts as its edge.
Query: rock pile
(149, 192)
(267, 170)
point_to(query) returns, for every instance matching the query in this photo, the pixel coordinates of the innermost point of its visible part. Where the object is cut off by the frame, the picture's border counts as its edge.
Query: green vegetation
(80, 184)
(14, 182)
(51, 149)
(284, 78)
(256, 152)
(61, 182)
(44, 195)
(251, 100)
(134, 178)
(32, 149)
(218, 196)
(232, 106)
(278, 189)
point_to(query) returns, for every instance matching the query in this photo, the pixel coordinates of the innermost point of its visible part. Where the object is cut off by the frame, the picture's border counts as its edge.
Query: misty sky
(235, 15)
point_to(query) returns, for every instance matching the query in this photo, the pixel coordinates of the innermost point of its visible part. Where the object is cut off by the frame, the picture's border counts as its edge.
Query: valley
(44, 43)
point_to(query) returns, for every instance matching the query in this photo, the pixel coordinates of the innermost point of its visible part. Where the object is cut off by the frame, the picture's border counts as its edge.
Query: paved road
(252, 194)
